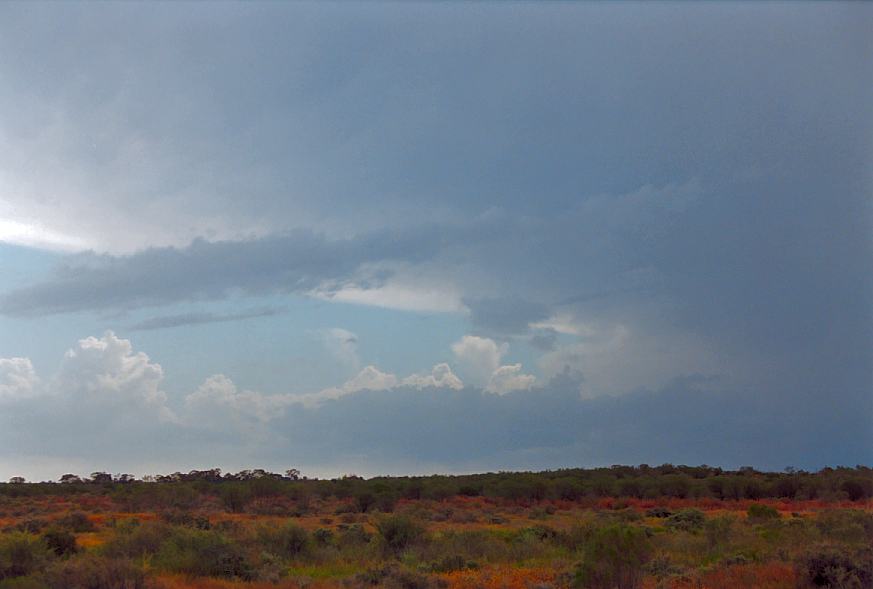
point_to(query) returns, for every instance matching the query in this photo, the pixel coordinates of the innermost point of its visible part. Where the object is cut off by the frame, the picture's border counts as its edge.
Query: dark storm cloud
(700, 170)
(293, 263)
(167, 321)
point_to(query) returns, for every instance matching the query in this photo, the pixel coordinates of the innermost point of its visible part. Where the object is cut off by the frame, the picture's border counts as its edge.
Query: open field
(663, 527)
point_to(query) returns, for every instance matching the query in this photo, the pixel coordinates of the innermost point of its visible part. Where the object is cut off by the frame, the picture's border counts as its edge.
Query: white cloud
(509, 378)
(109, 371)
(370, 378)
(564, 323)
(36, 235)
(219, 392)
(441, 376)
(400, 297)
(478, 357)
(219, 395)
(18, 380)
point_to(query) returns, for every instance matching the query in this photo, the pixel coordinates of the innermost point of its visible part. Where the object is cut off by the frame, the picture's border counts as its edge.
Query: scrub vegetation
(622, 527)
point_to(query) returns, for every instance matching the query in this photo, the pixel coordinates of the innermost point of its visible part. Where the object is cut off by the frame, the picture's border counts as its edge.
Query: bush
(323, 536)
(846, 525)
(659, 512)
(135, 541)
(23, 583)
(398, 532)
(202, 553)
(77, 522)
(831, 567)
(180, 517)
(60, 541)
(449, 564)
(33, 525)
(857, 489)
(615, 558)
(94, 573)
(21, 554)
(287, 541)
(392, 577)
(235, 497)
(688, 520)
(760, 512)
(353, 535)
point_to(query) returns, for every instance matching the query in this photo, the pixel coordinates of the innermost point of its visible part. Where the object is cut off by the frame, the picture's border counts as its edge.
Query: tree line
(639, 482)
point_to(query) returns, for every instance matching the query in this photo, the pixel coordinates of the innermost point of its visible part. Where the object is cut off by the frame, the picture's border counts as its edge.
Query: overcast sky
(412, 238)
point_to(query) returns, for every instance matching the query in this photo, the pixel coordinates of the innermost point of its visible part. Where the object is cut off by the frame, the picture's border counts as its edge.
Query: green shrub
(688, 520)
(353, 535)
(134, 540)
(32, 525)
(452, 563)
(21, 554)
(832, 567)
(537, 533)
(235, 497)
(202, 553)
(60, 541)
(846, 525)
(398, 532)
(77, 522)
(659, 512)
(719, 530)
(760, 512)
(614, 558)
(857, 489)
(91, 572)
(392, 577)
(287, 541)
(323, 536)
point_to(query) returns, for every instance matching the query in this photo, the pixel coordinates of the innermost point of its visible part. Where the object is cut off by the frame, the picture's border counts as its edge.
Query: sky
(387, 238)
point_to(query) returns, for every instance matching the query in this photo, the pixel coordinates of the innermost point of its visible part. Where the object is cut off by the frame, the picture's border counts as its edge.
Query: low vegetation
(615, 528)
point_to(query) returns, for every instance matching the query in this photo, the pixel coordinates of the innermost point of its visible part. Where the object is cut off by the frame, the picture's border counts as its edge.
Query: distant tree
(70, 478)
(17, 480)
(856, 489)
(293, 474)
(101, 477)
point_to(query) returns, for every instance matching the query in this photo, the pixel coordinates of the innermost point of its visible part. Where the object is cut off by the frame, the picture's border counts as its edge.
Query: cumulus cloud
(218, 392)
(107, 370)
(104, 386)
(478, 357)
(18, 380)
(370, 378)
(509, 378)
(441, 376)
